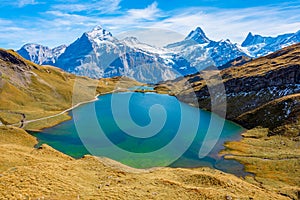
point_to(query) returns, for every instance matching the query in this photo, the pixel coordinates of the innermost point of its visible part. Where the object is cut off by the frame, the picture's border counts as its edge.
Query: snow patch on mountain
(41, 54)
(134, 43)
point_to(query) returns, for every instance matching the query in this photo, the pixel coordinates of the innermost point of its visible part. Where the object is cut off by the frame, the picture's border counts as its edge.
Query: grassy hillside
(30, 91)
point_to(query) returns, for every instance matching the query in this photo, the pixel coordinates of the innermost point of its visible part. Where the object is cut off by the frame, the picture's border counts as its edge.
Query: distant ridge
(97, 53)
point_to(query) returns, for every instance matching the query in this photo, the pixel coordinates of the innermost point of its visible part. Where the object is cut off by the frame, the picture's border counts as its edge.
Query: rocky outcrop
(280, 116)
(13, 59)
(257, 90)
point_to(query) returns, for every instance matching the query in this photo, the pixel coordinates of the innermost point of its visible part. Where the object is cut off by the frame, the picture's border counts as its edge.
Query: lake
(145, 130)
(141, 88)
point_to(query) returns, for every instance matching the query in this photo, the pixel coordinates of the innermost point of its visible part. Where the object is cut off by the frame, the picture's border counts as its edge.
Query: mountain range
(97, 53)
(256, 45)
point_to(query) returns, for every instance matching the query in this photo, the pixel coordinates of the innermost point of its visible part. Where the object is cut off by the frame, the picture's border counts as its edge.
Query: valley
(22, 160)
(28, 172)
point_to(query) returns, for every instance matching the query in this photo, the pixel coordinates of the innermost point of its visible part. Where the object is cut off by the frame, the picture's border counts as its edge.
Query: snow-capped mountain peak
(99, 33)
(34, 47)
(253, 39)
(198, 36)
(57, 51)
(134, 43)
(248, 39)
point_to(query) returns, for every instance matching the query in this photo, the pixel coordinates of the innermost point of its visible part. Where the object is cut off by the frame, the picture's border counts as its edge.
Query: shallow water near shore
(160, 131)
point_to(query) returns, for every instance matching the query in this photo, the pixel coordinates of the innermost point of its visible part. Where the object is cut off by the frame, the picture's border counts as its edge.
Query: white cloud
(233, 23)
(63, 24)
(19, 3)
(22, 3)
(4, 22)
(103, 6)
(62, 19)
(149, 13)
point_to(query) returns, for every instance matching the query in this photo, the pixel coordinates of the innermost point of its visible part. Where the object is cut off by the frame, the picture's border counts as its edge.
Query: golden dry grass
(28, 173)
(274, 160)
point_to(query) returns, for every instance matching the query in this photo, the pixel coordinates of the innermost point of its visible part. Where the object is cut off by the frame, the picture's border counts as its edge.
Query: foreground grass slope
(44, 173)
(274, 160)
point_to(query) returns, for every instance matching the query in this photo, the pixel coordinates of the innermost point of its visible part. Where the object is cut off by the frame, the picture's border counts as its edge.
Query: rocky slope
(252, 90)
(236, 62)
(33, 90)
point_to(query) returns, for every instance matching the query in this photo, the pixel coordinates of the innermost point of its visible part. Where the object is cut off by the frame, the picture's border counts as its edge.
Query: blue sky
(56, 22)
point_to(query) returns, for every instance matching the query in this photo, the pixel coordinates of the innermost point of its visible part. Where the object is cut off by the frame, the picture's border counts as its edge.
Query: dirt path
(65, 111)
(21, 123)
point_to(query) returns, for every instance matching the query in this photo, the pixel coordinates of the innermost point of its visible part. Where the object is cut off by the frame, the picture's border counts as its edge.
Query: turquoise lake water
(141, 88)
(143, 131)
